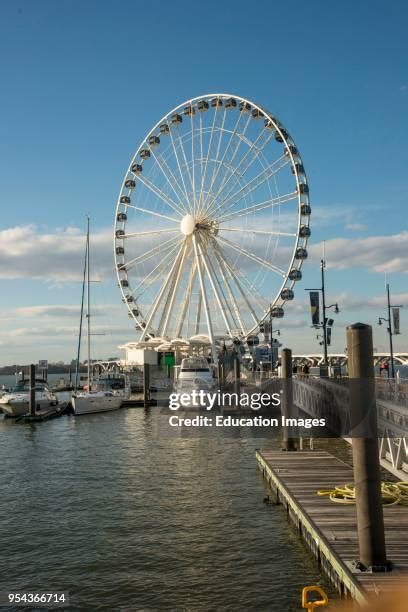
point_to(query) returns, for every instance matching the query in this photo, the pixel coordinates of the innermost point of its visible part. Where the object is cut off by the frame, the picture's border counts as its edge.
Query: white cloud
(26, 252)
(65, 311)
(376, 253)
(356, 227)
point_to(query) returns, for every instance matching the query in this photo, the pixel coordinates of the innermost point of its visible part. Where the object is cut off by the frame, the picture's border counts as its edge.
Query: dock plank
(330, 529)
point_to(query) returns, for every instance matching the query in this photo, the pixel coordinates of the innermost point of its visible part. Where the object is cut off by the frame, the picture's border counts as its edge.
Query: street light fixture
(389, 330)
(323, 324)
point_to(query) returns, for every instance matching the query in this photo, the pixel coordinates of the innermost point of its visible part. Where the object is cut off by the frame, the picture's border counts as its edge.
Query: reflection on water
(103, 507)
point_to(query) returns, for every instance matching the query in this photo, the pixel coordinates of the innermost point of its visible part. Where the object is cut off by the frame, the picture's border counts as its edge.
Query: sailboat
(104, 393)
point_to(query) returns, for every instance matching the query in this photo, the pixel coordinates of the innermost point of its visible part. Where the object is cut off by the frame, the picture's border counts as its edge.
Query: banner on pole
(396, 320)
(328, 335)
(314, 307)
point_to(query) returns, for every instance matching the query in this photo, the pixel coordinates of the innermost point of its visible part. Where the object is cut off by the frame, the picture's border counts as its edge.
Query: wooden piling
(32, 390)
(146, 384)
(366, 464)
(288, 442)
(237, 375)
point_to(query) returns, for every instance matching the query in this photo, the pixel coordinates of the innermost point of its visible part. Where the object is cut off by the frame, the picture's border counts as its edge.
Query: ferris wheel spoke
(151, 232)
(162, 291)
(186, 299)
(261, 206)
(204, 297)
(200, 136)
(236, 280)
(163, 164)
(179, 165)
(228, 301)
(234, 308)
(252, 256)
(203, 171)
(241, 172)
(216, 158)
(214, 288)
(154, 274)
(151, 212)
(160, 194)
(208, 202)
(251, 231)
(252, 290)
(253, 184)
(168, 308)
(145, 256)
(186, 164)
(193, 163)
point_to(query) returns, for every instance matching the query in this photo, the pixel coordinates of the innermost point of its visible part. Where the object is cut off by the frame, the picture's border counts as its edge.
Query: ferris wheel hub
(187, 225)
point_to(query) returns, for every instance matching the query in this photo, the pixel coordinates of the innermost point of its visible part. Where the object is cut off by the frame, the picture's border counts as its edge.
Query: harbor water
(124, 518)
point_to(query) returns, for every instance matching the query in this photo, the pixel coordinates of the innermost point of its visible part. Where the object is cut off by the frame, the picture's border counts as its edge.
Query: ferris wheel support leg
(186, 300)
(214, 288)
(198, 317)
(161, 293)
(173, 291)
(205, 302)
(230, 293)
(235, 279)
(226, 299)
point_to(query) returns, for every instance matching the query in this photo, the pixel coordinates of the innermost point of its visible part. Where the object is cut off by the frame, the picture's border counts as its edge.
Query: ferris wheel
(212, 221)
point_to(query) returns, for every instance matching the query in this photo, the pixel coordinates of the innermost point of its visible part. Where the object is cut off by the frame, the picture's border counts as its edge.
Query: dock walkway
(330, 529)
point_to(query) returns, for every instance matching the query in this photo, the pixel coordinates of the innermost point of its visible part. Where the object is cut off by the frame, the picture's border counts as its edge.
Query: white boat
(16, 402)
(195, 374)
(95, 401)
(106, 392)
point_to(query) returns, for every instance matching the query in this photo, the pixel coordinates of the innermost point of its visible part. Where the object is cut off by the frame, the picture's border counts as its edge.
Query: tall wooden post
(32, 390)
(288, 441)
(237, 375)
(366, 464)
(146, 384)
(219, 373)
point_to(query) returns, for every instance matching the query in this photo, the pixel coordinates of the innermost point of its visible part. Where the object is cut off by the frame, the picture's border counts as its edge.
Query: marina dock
(330, 529)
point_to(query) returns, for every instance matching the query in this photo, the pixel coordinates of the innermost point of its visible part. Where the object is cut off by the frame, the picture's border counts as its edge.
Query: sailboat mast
(88, 306)
(81, 318)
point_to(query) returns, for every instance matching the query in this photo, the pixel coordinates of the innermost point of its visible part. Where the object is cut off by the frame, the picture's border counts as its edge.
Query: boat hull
(17, 408)
(89, 404)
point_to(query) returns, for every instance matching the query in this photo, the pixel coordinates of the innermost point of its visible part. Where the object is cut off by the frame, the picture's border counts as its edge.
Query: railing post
(366, 464)
(32, 390)
(288, 442)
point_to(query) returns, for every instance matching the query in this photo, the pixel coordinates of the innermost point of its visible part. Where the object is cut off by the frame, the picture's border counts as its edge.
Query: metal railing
(331, 398)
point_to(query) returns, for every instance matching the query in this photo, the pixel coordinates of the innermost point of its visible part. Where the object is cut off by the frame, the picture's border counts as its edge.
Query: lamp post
(271, 331)
(389, 330)
(323, 324)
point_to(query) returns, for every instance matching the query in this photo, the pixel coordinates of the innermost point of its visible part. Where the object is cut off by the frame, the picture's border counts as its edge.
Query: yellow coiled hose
(392, 493)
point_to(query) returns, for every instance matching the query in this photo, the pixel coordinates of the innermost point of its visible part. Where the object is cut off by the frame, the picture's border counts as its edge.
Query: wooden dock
(330, 529)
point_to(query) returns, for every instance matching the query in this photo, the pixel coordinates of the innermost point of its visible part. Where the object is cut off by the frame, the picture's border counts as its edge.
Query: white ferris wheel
(212, 221)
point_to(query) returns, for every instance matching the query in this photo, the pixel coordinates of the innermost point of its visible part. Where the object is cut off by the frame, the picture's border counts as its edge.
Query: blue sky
(83, 82)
